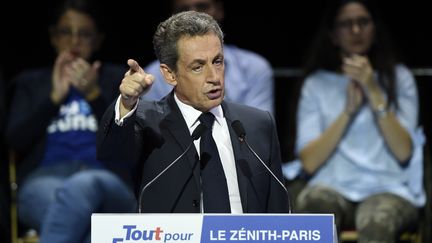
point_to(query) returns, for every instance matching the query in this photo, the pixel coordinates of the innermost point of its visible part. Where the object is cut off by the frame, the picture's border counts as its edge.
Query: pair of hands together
(359, 70)
(70, 71)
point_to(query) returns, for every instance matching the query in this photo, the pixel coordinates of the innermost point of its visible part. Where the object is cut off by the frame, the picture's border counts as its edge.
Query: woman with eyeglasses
(53, 122)
(357, 128)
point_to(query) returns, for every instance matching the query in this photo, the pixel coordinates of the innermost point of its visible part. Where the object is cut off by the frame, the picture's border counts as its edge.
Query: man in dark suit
(151, 135)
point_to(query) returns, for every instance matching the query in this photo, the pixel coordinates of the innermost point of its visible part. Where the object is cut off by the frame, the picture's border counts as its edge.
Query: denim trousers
(58, 200)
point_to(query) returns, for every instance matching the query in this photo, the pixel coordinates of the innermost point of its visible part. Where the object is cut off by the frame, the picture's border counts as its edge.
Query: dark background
(279, 30)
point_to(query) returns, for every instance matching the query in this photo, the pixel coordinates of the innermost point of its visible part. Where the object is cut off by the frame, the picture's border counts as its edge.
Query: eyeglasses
(68, 33)
(348, 24)
(199, 7)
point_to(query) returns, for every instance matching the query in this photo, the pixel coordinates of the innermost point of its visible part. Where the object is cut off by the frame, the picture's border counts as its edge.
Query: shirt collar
(191, 114)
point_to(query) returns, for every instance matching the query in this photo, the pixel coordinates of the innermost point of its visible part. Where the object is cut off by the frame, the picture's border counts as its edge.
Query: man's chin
(210, 104)
(216, 102)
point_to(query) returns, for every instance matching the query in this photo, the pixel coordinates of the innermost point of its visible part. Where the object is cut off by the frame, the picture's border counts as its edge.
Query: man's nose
(212, 74)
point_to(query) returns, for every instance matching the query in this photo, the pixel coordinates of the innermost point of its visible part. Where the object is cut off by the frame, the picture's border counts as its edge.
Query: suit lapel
(240, 156)
(176, 125)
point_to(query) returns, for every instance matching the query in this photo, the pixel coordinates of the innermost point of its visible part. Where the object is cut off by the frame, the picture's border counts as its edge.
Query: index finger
(133, 65)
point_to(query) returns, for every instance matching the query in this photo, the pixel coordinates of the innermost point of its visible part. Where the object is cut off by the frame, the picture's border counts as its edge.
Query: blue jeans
(58, 201)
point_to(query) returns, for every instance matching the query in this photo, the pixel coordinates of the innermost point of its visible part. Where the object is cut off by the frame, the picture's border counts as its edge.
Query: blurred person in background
(52, 125)
(357, 128)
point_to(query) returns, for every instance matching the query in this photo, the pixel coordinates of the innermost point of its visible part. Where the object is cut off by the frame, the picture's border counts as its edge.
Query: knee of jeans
(34, 197)
(109, 187)
(84, 177)
(94, 181)
(38, 192)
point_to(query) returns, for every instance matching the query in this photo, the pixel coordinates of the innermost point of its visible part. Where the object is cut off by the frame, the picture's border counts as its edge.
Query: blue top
(361, 165)
(32, 111)
(248, 79)
(71, 135)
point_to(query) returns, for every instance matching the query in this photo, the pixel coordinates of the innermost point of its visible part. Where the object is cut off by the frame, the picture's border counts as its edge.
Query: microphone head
(199, 131)
(238, 129)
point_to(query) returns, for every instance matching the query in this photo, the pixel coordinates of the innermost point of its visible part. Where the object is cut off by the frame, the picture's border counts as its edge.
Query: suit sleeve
(118, 143)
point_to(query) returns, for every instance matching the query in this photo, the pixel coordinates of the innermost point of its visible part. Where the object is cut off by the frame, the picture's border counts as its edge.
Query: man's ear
(169, 75)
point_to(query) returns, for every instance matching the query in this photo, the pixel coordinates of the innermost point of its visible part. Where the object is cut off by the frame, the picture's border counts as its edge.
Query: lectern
(181, 228)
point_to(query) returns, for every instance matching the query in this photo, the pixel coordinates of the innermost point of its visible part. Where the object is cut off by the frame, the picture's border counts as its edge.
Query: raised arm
(134, 84)
(395, 135)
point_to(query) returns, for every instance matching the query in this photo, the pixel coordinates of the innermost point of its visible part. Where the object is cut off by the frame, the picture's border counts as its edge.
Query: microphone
(197, 133)
(241, 134)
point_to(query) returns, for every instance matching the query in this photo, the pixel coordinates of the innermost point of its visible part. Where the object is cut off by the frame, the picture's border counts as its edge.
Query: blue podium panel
(179, 228)
(268, 228)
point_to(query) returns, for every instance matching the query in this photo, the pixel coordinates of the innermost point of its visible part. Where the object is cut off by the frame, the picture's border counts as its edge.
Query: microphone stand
(241, 133)
(197, 133)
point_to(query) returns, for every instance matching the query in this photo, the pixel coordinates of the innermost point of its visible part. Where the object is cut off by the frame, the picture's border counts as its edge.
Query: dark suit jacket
(157, 134)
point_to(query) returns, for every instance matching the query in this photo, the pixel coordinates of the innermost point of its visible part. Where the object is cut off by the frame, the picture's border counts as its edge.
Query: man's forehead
(196, 46)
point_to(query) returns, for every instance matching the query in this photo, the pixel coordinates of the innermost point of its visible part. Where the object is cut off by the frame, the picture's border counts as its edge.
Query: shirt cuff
(118, 120)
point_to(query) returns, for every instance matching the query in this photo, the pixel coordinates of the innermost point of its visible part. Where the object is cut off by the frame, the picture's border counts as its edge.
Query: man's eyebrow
(218, 56)
(197, 61)
(203, 61)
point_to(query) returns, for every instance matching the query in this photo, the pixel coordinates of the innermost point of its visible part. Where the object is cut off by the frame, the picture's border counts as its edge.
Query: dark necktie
(214, 185)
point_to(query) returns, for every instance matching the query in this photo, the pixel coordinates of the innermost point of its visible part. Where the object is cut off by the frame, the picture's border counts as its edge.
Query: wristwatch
(381, 110)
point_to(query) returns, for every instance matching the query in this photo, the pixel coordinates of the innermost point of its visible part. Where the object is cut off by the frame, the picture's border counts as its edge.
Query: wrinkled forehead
(204, 47)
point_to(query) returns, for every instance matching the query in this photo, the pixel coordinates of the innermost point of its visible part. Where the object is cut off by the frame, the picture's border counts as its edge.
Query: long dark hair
(324, 54)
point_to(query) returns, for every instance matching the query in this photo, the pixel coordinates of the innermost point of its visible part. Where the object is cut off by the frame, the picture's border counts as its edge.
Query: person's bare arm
(395, 135)
(319, 150)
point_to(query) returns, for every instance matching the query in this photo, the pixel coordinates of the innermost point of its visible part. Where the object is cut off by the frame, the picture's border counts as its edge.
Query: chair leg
(31, 237)
(13, 195)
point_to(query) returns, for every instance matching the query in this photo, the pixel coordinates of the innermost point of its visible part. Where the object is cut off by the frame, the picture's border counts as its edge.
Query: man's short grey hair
(190, 24)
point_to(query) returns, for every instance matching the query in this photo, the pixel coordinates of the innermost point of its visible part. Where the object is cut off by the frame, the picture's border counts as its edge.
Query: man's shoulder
(153, 65)
(153, 68)
(258, 122)
(156, 106)
(239, 54)
(243, 111)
